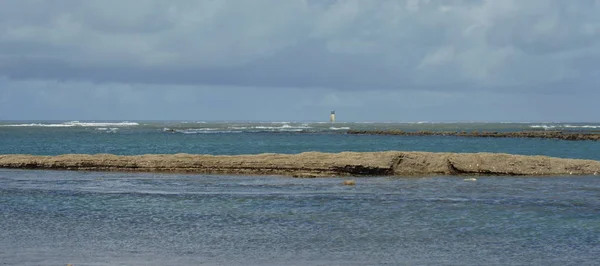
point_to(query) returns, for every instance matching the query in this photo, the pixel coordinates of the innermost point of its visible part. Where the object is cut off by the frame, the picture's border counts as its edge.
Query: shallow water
(55, 217)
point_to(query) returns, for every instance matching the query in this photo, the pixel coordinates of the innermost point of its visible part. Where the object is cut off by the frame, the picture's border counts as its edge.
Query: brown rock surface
(593, 136)
(315, 164)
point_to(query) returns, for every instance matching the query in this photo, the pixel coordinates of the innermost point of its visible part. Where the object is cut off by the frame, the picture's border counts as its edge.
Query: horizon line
(291, 121)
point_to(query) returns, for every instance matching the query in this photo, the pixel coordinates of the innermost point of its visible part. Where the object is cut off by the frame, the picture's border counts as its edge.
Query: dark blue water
(55, 218)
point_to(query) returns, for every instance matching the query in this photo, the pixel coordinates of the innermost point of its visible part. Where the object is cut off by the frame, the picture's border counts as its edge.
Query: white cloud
(341, 44)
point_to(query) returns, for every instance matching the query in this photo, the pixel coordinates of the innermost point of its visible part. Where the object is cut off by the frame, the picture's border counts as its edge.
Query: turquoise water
(130, 138)
(95, 218)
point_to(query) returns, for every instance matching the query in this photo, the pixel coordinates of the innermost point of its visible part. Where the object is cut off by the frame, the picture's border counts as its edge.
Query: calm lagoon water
(54, 218)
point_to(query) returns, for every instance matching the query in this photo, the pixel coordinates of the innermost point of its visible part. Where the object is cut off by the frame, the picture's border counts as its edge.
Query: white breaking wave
(546, 127)
(207, 131)
(339, 128)
(78, 124)
(37, 125)
(582, 126)
(108, 130)
(200, 130)
(284, 127)
(240, 129)
(102, 124)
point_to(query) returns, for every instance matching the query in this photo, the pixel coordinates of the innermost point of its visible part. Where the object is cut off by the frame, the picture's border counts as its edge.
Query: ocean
(232, 138)
(98, 218)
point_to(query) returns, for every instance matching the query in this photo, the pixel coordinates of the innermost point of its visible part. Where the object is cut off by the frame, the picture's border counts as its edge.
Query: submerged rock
(315, 164)
(349, 183)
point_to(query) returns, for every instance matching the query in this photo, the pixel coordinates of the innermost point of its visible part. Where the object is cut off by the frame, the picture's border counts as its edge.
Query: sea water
(96, 218)
(230, 138)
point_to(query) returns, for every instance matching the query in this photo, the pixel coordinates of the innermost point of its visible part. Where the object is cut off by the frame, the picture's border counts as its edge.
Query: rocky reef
(594, 136)
(315, 164)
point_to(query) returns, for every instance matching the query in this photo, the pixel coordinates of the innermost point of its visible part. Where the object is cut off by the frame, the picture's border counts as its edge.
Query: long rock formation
(594, 136)
(316, 164)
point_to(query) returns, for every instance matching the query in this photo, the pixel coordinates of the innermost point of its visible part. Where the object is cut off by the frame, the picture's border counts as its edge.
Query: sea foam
(77, 124)
(547, 127)
(582, 126)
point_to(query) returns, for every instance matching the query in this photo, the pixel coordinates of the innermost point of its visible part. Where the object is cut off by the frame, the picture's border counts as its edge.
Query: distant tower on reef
(332, 116)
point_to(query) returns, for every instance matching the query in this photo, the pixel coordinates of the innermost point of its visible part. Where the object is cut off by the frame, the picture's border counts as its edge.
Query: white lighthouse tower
(332, 116)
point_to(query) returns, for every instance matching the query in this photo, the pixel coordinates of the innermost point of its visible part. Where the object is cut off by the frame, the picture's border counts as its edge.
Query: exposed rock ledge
(313, 164)
(590, 135)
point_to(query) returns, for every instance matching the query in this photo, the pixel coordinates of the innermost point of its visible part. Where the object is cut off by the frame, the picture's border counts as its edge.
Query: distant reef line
(562, 135)
(315, 164)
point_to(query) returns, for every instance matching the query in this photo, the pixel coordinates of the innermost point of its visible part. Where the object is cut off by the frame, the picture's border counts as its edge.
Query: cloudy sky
(282, 60)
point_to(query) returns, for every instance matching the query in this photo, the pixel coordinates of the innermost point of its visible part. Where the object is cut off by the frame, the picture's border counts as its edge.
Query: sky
(295, 60)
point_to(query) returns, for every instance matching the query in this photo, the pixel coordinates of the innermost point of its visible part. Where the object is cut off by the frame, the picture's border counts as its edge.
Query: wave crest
(78, 124)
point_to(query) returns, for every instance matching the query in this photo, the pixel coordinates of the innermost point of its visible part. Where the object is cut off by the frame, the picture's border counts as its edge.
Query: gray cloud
(500, 45)
(54, 100)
